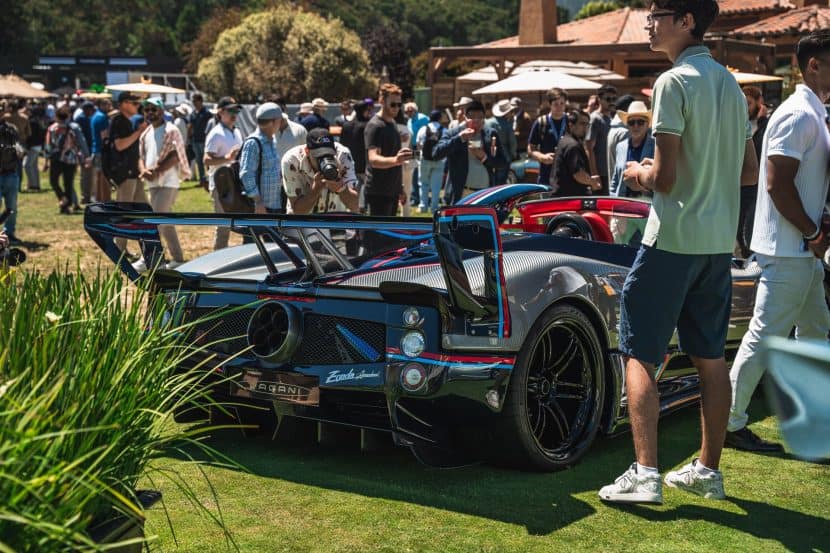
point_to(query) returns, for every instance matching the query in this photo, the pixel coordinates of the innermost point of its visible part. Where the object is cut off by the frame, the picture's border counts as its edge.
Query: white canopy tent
(146, 88)
(578, 69)
(754, 78)
(538, 81)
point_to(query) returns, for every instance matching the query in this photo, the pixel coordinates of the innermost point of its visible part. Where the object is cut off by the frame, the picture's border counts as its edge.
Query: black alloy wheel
(556, 394)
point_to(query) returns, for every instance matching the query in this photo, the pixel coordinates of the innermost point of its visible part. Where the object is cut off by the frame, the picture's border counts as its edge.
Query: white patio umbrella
(538, 81)
(754, 78)
(146, 88)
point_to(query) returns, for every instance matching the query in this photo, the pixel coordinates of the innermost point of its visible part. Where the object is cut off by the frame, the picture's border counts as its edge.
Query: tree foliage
(386, 48)
(596, 7)
(288, 52)
(201, 46)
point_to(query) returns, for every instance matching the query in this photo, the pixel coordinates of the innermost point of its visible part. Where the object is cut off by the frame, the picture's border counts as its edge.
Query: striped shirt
(270, 179)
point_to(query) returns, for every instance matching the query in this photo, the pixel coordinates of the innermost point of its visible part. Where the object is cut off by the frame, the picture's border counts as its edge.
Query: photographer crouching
(319, 177)
(9, 257)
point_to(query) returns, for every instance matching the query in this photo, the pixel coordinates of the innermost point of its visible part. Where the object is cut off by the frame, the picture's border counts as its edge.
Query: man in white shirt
(288, 135)
(161, 159)
(307, 187)
(221, 148)
(787, 236)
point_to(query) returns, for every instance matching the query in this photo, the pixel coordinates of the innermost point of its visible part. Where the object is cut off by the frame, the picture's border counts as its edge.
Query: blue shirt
(414, 125)
(314, 121)
(100, 122)
(270, 178)
(84, 122)
(625, 153)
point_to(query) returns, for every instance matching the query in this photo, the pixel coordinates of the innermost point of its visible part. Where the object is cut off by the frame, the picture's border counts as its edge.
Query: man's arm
(594, 128)
(658, 175)
(248, 162)
(534, 143)
(212, 158)
(348, 196)
(122, 144)
(378, 161)
(749, 169)
(781, 172)
(305, 203)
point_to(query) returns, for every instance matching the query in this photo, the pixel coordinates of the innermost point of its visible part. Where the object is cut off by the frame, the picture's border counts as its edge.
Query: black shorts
(666, 290)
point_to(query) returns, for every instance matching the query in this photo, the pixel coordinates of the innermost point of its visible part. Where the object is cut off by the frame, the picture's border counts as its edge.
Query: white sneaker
(632, 487)
(140, 266)
(688, 479)
(173, 264)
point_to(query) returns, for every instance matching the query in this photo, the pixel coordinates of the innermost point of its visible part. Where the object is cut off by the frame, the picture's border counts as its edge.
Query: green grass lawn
(327, 499)
(337, 499)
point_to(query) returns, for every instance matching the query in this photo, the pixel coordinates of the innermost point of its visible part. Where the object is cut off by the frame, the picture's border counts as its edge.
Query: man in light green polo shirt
(703, 153)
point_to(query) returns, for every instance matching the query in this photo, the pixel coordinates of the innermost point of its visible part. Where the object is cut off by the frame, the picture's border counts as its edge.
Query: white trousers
(790, 294)
(162, 200)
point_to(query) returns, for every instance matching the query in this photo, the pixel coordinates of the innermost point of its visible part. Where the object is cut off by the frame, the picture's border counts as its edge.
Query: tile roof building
(618, 41)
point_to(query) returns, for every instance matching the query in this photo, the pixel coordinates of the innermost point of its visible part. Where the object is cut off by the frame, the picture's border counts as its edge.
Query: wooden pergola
(635, 61)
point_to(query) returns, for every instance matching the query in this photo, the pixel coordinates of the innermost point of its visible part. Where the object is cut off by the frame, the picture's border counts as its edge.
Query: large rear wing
(455, 231)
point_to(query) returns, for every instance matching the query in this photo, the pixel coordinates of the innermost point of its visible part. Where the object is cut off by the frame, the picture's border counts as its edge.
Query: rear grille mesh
(326, 340)
(335, 340)
(230, 329)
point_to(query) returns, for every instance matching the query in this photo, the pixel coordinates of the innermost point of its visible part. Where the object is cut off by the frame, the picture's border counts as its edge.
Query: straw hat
(636, 109)
(463, 102)
(502, 108)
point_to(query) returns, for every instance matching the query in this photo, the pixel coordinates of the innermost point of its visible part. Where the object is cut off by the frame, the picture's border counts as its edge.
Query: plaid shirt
(270, 179)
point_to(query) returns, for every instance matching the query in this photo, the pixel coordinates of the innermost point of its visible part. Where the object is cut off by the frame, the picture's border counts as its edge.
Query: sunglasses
(654, 15)
(395, 104)
(150, 109)
(232, 111)
(637, 122)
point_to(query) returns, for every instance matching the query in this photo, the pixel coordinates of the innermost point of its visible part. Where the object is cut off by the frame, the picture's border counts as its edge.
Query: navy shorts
(665, 290)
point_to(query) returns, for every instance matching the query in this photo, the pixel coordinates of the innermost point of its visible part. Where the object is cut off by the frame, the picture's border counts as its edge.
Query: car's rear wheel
(570, 225)
(554, 404)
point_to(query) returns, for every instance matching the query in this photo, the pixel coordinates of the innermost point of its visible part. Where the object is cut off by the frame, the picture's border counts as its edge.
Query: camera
(11, 257)
(328, 167)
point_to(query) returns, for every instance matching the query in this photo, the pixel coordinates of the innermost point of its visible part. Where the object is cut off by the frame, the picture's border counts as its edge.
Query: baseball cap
(269, 110)
(435, 115)
(87, 105)
(306, 107)
(226, 102)
(320, 143)
(156, 101)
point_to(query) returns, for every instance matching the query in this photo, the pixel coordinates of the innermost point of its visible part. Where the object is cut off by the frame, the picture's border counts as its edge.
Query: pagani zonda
(447, 333)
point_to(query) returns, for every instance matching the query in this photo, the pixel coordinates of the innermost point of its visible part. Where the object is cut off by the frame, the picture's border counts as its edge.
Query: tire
(570, 225)
(554, 403)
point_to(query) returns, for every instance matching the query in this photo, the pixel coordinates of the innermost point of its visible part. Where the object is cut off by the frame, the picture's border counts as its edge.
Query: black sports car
(447, 333)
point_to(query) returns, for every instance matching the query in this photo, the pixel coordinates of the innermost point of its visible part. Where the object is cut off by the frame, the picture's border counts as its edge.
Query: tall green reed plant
(88, 383)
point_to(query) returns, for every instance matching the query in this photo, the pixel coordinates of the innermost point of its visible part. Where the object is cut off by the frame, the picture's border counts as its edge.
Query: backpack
(113, 163)
(229, 187)
(432, 138)
(8, 149)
